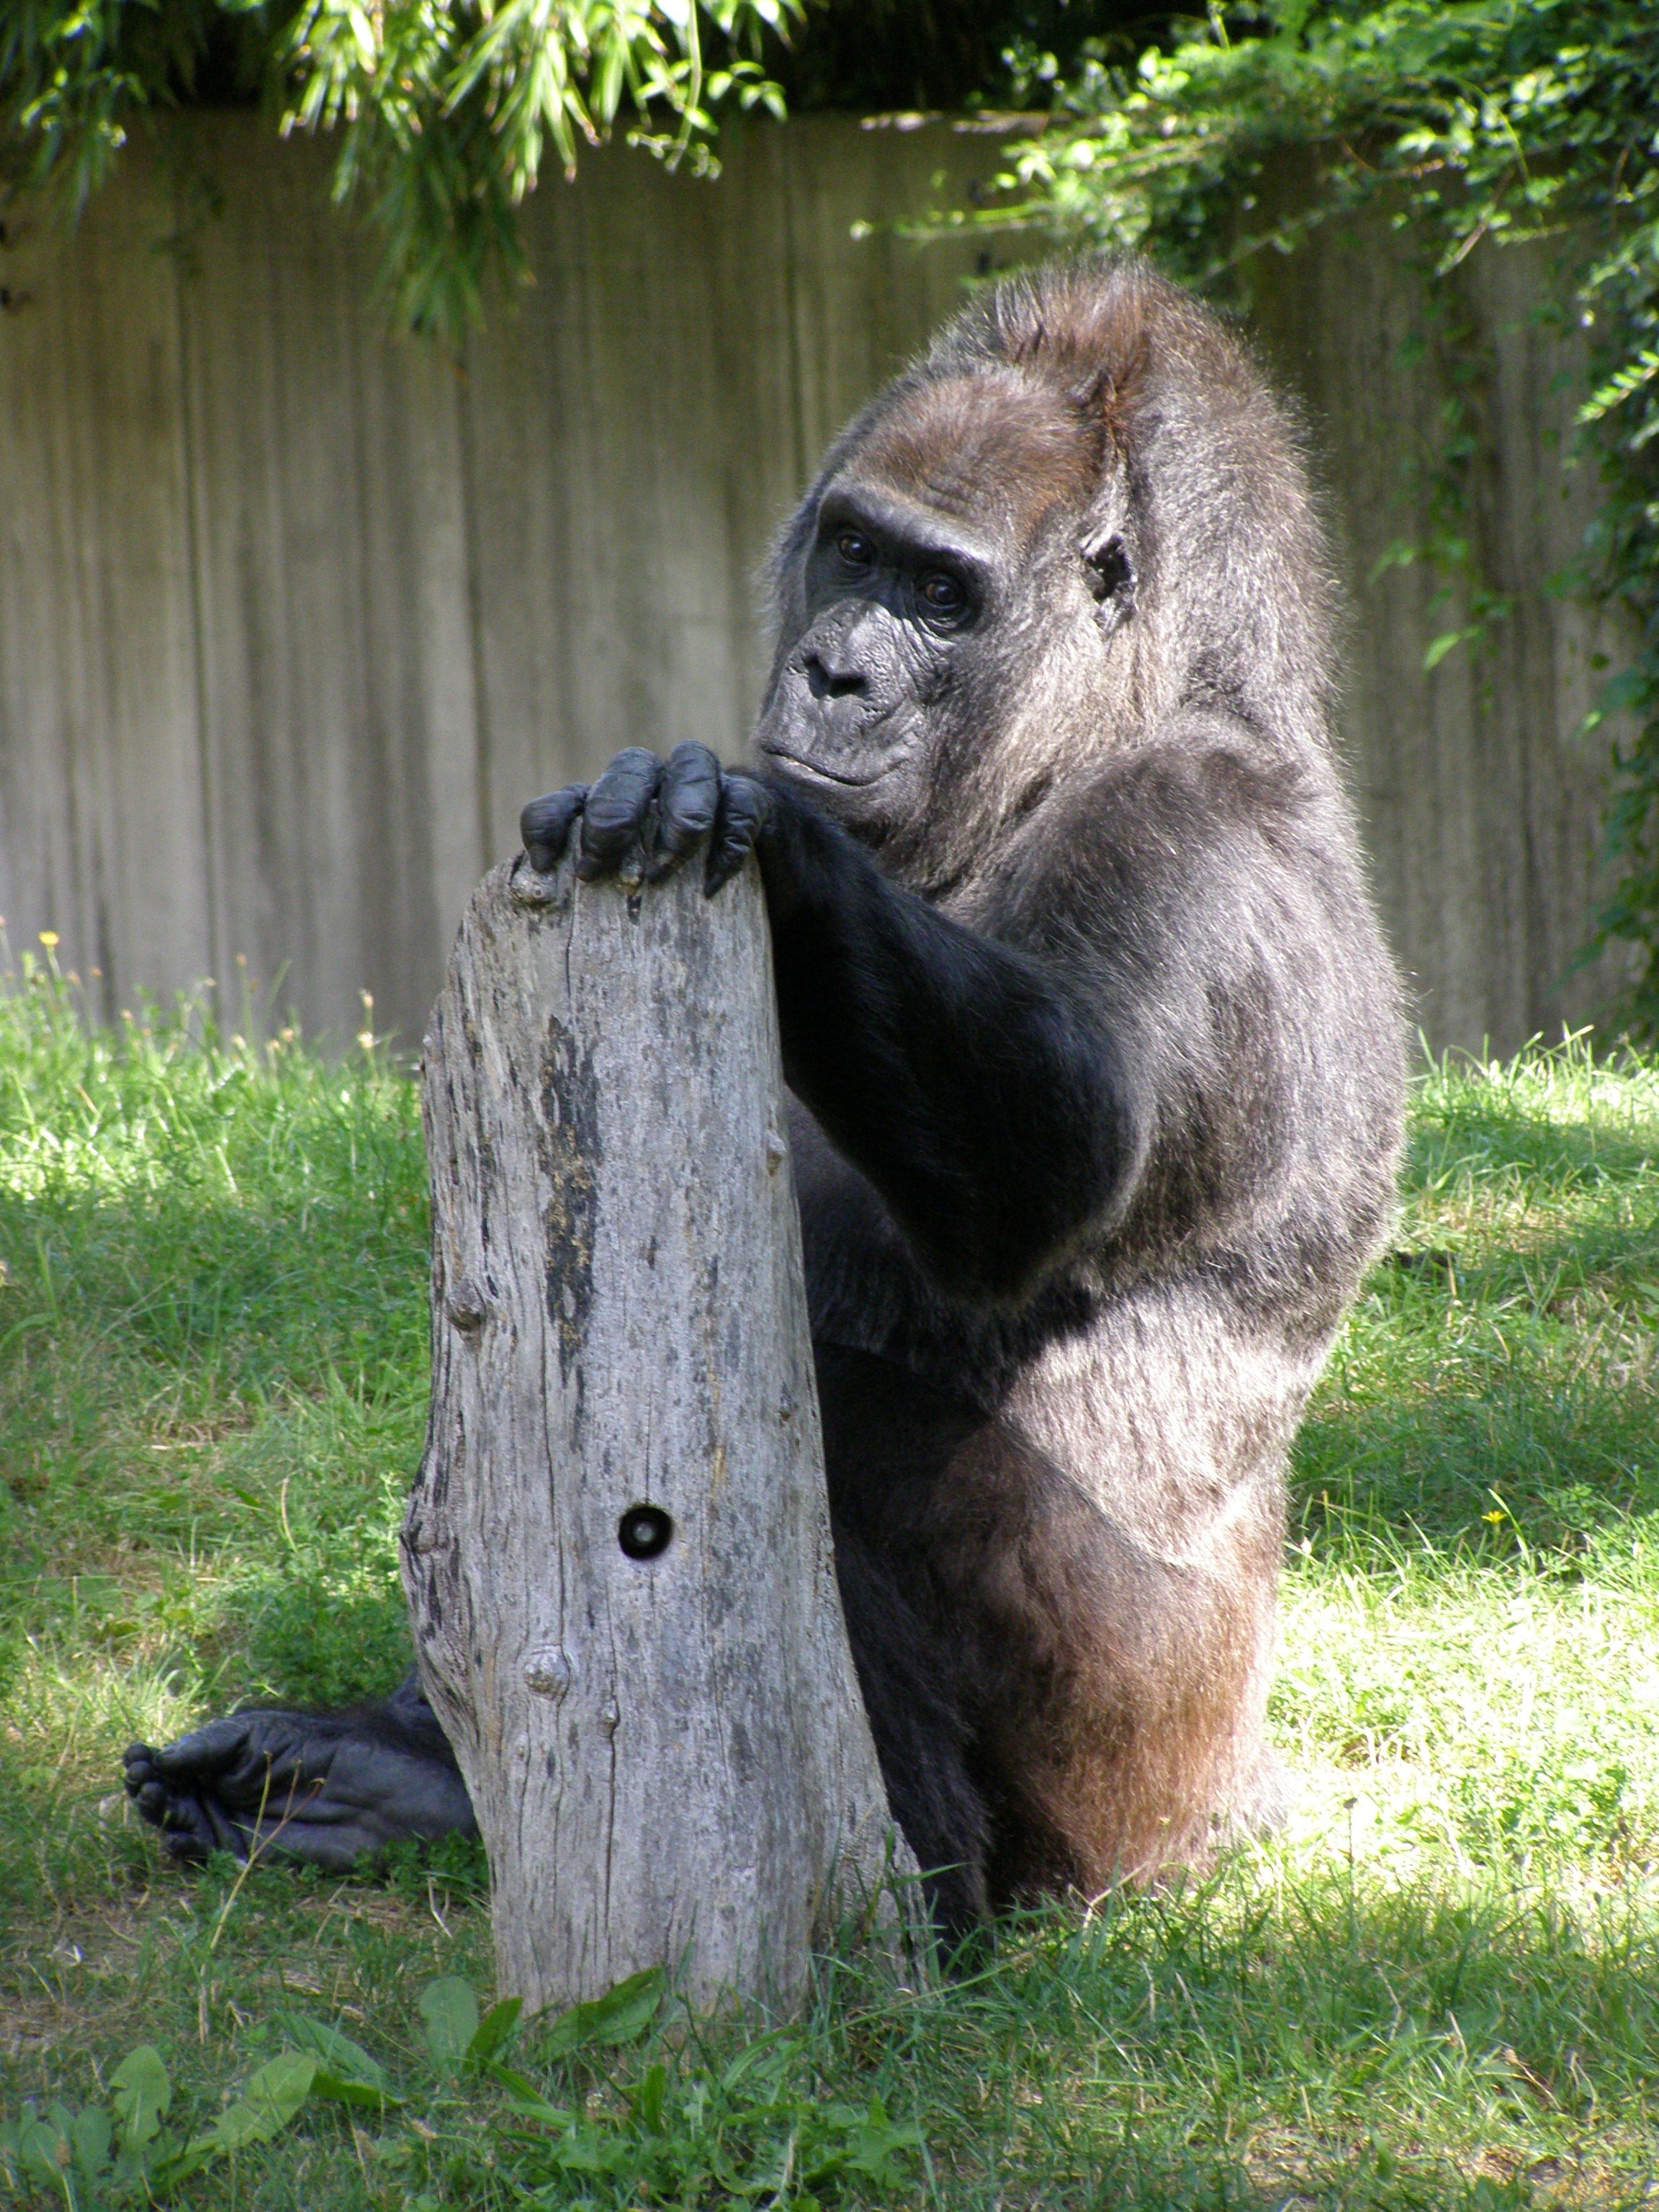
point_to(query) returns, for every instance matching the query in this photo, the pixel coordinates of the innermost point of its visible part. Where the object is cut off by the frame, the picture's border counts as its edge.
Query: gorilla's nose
(825, 681)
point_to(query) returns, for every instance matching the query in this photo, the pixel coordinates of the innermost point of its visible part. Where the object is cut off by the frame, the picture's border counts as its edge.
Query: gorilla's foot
(324, 1789)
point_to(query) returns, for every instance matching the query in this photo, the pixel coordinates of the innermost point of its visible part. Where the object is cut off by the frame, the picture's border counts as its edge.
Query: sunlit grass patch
(1438, 1987)
(1499, 1372)
(212, 1354)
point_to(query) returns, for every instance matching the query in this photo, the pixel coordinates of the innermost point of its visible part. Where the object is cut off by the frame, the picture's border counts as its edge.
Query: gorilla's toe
(186, 1831)
(142, 1784)
(186, 1837)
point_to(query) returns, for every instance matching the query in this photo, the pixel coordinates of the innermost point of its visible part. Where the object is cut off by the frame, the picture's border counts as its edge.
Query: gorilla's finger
(544, 826)
(688, 799)
(745, 806)
(614, 819)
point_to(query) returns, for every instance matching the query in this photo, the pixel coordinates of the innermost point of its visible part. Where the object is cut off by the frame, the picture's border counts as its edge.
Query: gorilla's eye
(855, 549)
(941, 593)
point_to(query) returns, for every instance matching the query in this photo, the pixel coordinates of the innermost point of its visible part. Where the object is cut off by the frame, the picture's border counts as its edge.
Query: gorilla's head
(1060, 524)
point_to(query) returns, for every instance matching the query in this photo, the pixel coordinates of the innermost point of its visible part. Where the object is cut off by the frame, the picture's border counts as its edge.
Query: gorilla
(1096, 1058)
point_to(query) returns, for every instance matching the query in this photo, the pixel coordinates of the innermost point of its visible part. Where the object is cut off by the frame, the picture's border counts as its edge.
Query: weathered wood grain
(668, 1756)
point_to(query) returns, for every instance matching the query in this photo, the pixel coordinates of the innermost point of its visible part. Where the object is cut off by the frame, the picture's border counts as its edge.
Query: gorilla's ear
(1109, 571)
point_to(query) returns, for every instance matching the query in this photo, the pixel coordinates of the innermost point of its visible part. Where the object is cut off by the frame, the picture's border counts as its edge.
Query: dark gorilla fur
(1097, 1054)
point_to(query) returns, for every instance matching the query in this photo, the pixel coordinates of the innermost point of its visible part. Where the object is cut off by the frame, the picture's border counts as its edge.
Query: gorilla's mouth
(805, 767)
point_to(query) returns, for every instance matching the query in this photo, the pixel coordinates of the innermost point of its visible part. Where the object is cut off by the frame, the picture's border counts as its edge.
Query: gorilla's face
(940, 556)
(900, 599)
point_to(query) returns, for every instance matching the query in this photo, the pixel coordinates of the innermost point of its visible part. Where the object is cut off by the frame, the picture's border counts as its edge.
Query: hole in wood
(645, 1532)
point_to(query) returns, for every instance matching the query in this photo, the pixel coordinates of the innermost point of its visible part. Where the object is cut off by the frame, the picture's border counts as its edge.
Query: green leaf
(442, 115)
(273, 2095)
(342, 2059)
(1627, 688)
(584, 2150)
(1448, 641)
(493, 2030)
(528, 2103)
(1399, 553)
(92, 2134)
(451, 2013)
(42, 2151)
(143, 2094)
(342, 2089)
(621, 2015)
(650, 2096)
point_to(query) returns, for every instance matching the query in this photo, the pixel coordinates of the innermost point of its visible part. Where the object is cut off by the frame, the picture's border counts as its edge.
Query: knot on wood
(549, 1670)
(467, 1307)
(532, 888)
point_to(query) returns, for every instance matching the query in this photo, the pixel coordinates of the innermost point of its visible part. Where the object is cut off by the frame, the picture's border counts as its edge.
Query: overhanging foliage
(443, 111)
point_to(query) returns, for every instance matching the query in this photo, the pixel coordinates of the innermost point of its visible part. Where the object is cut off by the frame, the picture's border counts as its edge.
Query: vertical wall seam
(791, 318)
(483, 735)
(216, 953)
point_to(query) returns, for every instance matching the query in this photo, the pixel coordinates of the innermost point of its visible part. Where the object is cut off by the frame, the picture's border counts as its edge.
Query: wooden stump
(618, 1552)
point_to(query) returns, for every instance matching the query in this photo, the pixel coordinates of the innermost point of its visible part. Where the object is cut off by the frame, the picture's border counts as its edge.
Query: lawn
(1438, 1987)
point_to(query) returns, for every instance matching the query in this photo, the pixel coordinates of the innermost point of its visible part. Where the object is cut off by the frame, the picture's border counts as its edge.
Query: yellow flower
(49, 938)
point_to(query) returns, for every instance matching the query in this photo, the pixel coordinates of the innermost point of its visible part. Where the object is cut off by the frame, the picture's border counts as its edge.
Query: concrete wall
(294, 614)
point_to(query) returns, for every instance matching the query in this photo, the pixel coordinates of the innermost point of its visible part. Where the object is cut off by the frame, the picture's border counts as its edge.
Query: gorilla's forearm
(967, 1082)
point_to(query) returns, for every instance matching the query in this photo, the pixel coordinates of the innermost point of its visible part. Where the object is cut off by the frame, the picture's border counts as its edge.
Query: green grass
(1439, 1987)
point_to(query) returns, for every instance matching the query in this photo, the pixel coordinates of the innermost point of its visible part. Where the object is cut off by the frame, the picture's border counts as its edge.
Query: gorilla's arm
(967, 1080)
(963, 1078)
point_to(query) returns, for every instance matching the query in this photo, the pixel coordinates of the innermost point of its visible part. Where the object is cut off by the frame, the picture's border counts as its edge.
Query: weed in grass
(1439, 1987)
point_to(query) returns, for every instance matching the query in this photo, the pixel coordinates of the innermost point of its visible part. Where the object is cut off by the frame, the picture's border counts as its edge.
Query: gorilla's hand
(645, 815)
